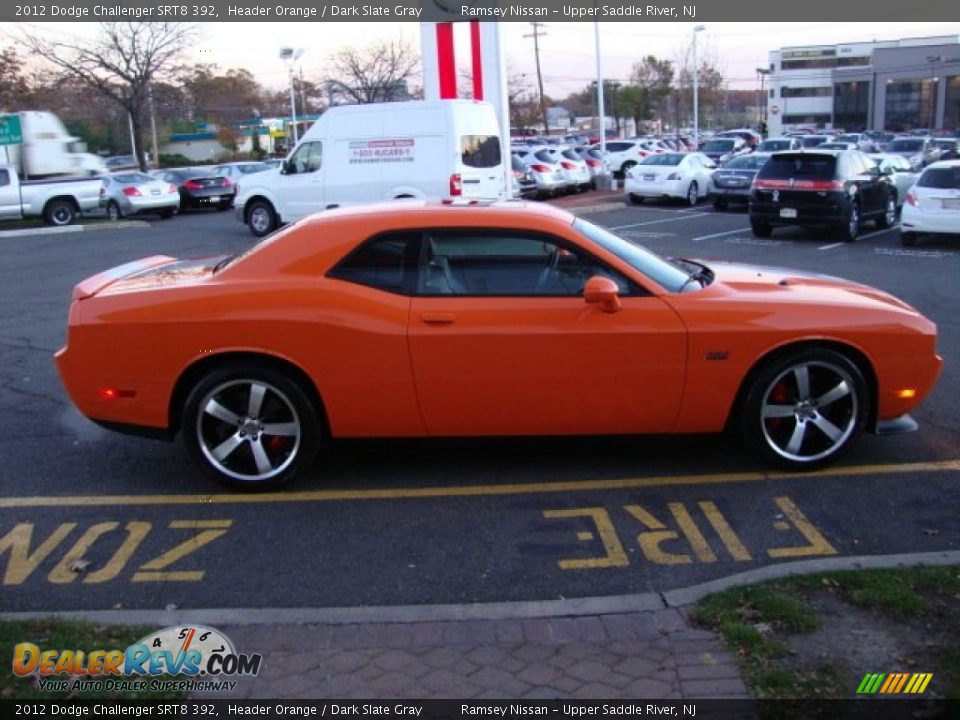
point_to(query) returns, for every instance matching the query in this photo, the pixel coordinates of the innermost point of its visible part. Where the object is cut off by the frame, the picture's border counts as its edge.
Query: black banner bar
(485, 10)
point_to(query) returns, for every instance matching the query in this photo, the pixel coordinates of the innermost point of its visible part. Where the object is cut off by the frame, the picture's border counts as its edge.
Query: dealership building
(894, 85)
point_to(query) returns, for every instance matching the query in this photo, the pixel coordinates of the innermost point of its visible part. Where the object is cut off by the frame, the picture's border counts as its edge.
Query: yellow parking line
(469, 490)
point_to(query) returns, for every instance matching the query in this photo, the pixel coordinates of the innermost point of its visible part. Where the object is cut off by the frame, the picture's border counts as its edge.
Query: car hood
(147, 274)
(775, 284)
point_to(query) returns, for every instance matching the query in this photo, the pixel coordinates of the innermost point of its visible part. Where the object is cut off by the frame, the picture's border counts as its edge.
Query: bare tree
(120, 64)
(377, 73)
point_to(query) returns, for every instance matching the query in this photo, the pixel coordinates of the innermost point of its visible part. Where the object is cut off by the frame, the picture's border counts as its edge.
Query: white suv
(933, 204)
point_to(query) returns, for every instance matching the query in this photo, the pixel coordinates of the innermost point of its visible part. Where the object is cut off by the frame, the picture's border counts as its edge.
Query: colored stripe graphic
(894, 683)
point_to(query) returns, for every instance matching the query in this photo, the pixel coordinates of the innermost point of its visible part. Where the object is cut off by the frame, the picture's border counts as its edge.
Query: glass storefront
(851, 102)
(910, 104)
(951, 116)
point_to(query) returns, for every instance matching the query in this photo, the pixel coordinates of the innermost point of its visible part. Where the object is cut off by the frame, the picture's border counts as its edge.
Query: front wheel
(59, 212)
(113, 211)
(889, 216)
(250, 427)
(693, 194)
(261, 218)
(805, 409)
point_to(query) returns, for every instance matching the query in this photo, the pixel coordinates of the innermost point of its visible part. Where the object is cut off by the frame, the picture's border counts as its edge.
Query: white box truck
(356, 154)
(48, 150)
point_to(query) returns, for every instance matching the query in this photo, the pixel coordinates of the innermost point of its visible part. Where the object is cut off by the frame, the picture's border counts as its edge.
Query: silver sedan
(131, 193)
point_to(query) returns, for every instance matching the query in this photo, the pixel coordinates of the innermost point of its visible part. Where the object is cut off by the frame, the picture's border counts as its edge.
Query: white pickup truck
(58, 202)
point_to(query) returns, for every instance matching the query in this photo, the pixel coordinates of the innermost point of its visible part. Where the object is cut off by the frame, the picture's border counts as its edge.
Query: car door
(503, 343)
(301, 182)
(9, 196)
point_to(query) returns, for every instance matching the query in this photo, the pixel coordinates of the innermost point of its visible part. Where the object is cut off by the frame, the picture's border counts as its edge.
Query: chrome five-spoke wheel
(806, 409)
(250, 429)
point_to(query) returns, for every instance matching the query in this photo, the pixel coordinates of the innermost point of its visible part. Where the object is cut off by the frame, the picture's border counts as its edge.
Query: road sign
(10, 131)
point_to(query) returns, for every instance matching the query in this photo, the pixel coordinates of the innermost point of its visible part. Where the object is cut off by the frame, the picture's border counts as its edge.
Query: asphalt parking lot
(90, 519)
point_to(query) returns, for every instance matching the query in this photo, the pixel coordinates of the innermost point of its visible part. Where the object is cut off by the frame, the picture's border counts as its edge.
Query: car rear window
(480, 151)
(715, 145)
(665, 159)
(814, 167)
(746, 162)
(944, 178)
(906, 145)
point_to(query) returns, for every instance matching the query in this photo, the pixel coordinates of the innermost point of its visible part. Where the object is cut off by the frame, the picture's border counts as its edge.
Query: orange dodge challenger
(413, 319)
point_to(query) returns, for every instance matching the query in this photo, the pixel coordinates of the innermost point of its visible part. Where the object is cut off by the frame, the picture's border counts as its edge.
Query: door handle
(437, 318)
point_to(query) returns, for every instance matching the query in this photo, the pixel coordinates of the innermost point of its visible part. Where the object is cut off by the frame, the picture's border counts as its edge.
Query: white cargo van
(48, 150)
(357, 154)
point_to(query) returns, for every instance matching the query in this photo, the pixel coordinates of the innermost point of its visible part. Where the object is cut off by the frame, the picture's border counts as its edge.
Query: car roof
(943, 164)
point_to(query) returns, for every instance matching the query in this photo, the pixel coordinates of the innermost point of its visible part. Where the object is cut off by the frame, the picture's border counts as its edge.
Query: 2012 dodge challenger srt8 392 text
(414, 319)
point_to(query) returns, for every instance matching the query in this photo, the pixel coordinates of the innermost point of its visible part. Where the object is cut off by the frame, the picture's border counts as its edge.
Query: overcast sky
(566, 51)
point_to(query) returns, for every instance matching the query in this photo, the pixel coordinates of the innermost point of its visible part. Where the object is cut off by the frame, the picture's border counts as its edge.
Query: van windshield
(480, 151)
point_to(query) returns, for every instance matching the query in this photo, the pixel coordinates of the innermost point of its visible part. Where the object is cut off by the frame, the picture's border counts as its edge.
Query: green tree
(650, 82)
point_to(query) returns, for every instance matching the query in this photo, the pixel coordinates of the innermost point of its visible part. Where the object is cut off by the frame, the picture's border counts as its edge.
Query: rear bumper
(735, 194)
(831, 209)
(913, 220)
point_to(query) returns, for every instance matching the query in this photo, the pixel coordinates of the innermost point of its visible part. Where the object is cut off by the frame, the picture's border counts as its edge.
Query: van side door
(300, 186)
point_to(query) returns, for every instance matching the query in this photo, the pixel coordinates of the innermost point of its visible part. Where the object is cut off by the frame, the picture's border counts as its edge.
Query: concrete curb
(611, 605)
(27, 232)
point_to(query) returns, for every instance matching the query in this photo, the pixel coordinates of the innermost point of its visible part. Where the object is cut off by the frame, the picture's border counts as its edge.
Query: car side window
(4, 178)
(387, 262)
(507, 264)
(307, 158)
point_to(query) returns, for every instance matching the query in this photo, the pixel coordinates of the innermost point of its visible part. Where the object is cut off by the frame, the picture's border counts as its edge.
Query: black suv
(821, 188)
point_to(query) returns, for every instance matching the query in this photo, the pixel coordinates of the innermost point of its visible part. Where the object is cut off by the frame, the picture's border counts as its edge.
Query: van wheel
(59, 212)
(261, 218)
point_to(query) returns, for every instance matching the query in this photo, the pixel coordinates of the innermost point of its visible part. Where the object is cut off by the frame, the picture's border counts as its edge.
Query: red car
(412, 320)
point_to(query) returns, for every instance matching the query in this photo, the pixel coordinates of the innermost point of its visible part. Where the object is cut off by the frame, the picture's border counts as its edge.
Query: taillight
(817, 185)
(568, 166)
(517, 174)
(131, 191)
(226, 183)
(171, 188)
(193, 185)
(540, 168)
(910, 199)
(456, 184)
(593, 163)
(642, 153)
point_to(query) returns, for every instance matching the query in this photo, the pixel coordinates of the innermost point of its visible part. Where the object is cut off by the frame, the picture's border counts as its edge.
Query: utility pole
(536, 52)
(153, 126)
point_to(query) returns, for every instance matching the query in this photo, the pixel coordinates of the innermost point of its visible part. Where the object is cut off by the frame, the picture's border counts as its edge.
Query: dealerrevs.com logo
(205, 657)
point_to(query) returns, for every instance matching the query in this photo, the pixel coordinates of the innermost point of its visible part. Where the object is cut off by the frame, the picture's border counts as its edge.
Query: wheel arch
(857, 356)
(254, 198)
(193, 373)
(69, 199)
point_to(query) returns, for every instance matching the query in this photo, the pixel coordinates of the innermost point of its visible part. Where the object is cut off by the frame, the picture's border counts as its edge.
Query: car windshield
(941, 178)
(906, 145)
(746, 162)
(659, 269)
(774, 145)
(798, 165)
(719, 145)
(664, 159)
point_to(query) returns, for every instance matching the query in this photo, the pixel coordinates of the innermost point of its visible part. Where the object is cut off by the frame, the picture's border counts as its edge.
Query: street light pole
(762, 106)
(291, 55)
(696, 88)
(933, 60)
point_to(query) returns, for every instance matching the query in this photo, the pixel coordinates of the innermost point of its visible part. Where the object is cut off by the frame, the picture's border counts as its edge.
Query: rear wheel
(805, 409)
(761, 229)
(635, 199)
(250, 427)
(113, 211)
(59, 212)
(693, 194)
(261, 218)
(851, 227)
(168, 213)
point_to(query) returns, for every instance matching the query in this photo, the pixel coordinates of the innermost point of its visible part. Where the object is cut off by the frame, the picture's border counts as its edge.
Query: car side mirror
(603, 292)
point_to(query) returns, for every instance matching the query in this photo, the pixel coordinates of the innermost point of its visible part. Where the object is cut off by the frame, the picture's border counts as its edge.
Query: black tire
(693, 194)
(635, 199)
(261, 218)
(851, 227)
(720, 205)
(113, 211)
(761, 229)
(59, 213)
(240, 426)
(801, 428)
(908, 239)
(889, 215)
